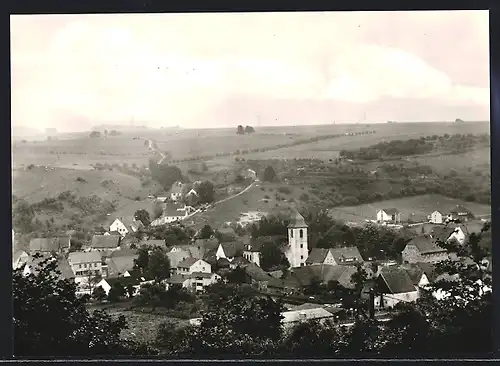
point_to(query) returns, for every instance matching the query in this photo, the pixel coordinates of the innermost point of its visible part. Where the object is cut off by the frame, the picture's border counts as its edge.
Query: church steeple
(297, 241)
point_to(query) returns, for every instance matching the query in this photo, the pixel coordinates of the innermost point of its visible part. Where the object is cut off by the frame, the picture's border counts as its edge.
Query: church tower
(297, 251)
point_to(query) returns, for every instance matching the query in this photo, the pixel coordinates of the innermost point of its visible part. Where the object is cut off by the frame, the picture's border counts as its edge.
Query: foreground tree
(50, 320)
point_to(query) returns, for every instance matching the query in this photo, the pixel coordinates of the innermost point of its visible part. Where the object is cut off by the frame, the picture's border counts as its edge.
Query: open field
(478, 159)
(419, 206)
(262, 197)
(182, 144)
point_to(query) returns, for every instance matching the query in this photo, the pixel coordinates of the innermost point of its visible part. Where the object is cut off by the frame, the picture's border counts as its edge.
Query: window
(301, 246)
(79, 266)
(301, 233)
(301, 257)
(291, 233)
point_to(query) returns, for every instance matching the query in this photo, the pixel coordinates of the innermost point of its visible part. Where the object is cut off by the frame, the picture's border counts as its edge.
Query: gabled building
(19, 258)
(394, 285)
(105, 242)
(191, 265)
(320, 256)
(50, 245)
(346, 256)
(85, 265)
(447, 233)
(437, 217)
(423, 249)
(460, 213)
(230, 250)
(121, 261)
(389, 215)
(125, 225)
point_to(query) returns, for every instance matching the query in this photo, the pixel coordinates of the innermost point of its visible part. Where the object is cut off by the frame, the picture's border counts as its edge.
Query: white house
(230, 250)
(195, 281)
(320, 256)
(125, 225)
(448, 233)
(388, 215)
(85, 265)
(297, 251)
(437, 217)
(394, 285)
(307, 312)
(173, 213)
(191, 265)
(19, 258)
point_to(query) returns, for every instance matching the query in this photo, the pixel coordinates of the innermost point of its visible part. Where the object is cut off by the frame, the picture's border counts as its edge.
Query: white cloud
(104, 69)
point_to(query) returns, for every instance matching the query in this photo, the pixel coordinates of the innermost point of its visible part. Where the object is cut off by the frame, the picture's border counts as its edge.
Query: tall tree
(249, 129)
(269, 174)
(158, 265)
(240, 130)
(143, 216)
(206, 192)
(272, 257)
(206, 232)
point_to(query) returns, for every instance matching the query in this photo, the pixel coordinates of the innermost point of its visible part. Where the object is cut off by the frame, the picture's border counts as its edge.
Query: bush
(284, 190)
(81, 180)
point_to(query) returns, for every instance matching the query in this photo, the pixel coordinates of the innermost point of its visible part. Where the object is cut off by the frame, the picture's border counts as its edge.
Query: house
(251, 252)
(325, 273)
(297, 250)
(30, 266)
(227, 232)
(423, 249)
(447, 233)
(19, 258)
(460, 213)
(437, 217)
(105, 242)
(196, 281)
(250, 173)
(417, 275)
(257, 276)
(192, 192)
(306, 312)
(126, 225)
(177, 256)
(120, 261)
(239, 262)
(320, 256)
(389, 215)
(394, 285)
(175, 212)
(230, 250)
(85, 265)
(107, 283)
(190, 265)
(50, 245)
(346, 255)
(176, 191)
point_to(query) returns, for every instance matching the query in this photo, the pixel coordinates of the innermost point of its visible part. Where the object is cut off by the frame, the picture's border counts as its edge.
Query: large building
(297, 250)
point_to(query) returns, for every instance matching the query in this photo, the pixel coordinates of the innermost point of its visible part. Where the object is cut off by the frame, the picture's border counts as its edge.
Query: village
(314, 282)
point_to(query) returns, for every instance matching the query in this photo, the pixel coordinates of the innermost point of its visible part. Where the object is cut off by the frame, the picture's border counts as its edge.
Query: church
(297, 250)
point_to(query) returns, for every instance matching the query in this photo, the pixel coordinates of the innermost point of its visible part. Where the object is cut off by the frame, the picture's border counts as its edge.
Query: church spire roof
(298, 221)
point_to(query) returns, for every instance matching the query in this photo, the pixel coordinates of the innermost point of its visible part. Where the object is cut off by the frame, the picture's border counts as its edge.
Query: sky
(220, 70)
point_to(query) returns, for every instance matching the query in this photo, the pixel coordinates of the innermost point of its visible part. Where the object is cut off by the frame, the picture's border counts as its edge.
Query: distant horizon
(42, 131)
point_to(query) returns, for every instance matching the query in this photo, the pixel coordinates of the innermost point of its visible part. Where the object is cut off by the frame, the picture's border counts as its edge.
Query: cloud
(174, 71)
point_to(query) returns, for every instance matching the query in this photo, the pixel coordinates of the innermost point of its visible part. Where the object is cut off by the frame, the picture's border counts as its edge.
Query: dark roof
(177, 278)
(429, 269)
(201, 274)
(48, 244)
(397, 279)
(298, 221)
(317, 255)
(223, 262)
(256, 273)
(120, 265)
(232, 248)
(257, 243)
(414, 271)
(240, 261)
(125, 281)
(391, 211)
(65, 268)
(342, 255)
(177, 257)
(130, 222)
(175, 210)
(442, 233)
(425, 245)
(187, 263)
(325, 273)
(123, 252)
(193, 251)
(105, 241)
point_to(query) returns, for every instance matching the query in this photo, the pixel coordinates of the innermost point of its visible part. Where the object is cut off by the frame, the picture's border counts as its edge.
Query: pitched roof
(120, 265)
(105, 241)
(425, 245)
(177, 279)
(305, 314)
(241, 261)
(84, 257)
(298, 221)
(187, 263)
(193, 251)
(201, 274)
(442, 233)
(125, 281)
(317, 255)
(344, 254)
(414, 271)
(256, 273)
(429, 269)
(397, 279)
(177, 257)
(223, 262)
(232, 248)
(48, 244)
(65, 268)
(130, 222)
(391, 211)
(123, 252)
